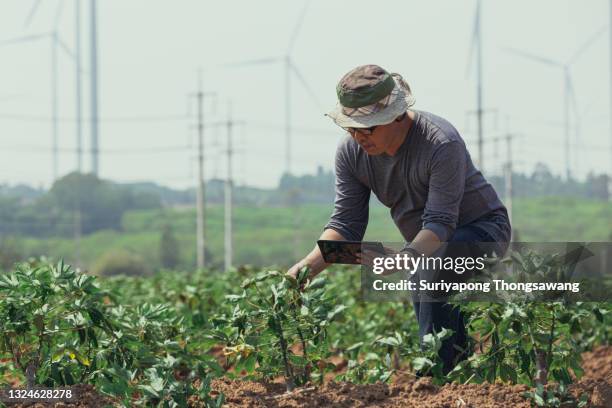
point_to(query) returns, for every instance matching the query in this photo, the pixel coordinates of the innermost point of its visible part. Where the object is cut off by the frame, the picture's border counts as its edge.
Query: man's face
(377, 142)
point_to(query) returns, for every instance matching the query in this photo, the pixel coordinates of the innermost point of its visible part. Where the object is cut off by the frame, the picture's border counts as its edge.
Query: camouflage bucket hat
(370, 96)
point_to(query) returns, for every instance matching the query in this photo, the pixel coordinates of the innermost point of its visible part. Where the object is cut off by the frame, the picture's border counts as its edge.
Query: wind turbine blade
(297, 27)
(25, 38)
(475, 33)
(532, 57)
(259, 61)
(32, 12)
(302, 80)
(586, 44)
(589, 106)
(64, 47)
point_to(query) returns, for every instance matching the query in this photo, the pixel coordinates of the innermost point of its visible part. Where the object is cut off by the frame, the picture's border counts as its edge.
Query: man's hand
(295, 269)
(314, 260)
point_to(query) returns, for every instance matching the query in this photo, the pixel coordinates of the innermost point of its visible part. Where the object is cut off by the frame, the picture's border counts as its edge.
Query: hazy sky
(149, 52)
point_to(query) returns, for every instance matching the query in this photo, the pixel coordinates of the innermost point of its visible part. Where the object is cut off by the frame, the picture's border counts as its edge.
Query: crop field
(255, 337)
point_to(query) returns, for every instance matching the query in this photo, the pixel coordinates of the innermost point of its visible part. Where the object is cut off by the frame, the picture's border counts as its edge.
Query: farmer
(417, 164)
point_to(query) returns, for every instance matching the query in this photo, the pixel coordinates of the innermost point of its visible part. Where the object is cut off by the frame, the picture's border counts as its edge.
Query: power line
(167, 118)
(533, 143)
(298, 129)
(134, 150)
(149, 150)
(133, 118)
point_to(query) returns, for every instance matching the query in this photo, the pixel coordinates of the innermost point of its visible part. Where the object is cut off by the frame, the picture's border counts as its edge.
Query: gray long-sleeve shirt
(430, 183)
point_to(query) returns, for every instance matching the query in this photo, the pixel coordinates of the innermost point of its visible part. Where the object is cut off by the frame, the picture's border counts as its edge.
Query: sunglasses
(364, 131)
(369, 130)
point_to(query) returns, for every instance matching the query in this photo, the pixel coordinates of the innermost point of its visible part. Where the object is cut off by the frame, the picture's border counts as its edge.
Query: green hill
(280, 235)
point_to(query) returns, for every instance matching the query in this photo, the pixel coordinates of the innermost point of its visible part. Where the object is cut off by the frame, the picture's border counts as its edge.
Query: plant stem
(297, 321)
(290, 383)
(551, 337)
(303, 341)
(541, 367)
(541, 372)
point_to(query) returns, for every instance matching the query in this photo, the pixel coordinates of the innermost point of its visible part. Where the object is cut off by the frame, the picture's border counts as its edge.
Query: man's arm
(350, 216)
(425, 242)
(314, 259)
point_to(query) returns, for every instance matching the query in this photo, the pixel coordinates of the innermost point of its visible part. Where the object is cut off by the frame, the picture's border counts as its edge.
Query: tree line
(100, 204)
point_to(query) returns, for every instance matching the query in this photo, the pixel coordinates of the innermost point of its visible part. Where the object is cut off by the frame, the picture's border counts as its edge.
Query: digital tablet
(345, 252)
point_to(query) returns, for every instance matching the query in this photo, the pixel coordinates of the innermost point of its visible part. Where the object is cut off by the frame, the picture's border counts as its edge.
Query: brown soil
(410, 392)
(405, 391)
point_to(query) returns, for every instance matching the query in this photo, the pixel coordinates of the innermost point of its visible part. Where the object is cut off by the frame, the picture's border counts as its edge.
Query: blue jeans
(435, 315)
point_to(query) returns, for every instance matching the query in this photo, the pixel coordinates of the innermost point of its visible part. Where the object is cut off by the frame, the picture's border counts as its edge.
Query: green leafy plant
(528, 339)
(429, 363)
(52, 319)
(279, 325)
(369, 369)
(160, 340)
(61, 328)
(555, 396)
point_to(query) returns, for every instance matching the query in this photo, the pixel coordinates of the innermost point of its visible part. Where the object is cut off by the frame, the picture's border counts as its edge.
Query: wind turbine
(93, 26)
(289, 68)
(78, 72)
(610, 95)
(477, 43)
(78, 83)
(569, 94)
(56, 42)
